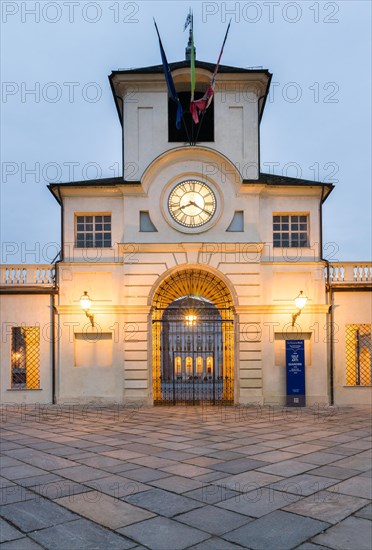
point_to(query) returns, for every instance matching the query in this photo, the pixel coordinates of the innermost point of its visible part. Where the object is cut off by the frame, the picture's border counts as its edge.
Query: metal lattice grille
(193, 353)
(25, 358)
(358, 355)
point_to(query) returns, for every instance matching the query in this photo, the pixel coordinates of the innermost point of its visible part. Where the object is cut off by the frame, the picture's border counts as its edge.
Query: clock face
(192, 203)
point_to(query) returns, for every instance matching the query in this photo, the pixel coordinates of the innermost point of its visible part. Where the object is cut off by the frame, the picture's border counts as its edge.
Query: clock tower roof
(266, 179)
(258, 75)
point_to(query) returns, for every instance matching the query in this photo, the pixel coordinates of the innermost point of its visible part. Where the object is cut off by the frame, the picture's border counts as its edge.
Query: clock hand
(203, 209)
(186, 205)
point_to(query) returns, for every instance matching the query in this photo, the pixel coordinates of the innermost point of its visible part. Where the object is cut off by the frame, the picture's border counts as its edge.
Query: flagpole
(192, 69)
(213, 77)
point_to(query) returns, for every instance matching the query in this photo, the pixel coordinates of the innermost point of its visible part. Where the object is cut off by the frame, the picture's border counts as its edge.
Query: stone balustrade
(27, 275)
(44, 274)
(350, 272)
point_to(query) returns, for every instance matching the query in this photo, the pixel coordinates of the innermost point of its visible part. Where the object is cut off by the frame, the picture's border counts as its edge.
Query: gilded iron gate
(193, 353)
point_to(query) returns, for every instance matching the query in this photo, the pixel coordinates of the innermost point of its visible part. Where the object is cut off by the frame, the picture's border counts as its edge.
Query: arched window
(178, 366)
(210, 365)
(189, 366)
(199, 365)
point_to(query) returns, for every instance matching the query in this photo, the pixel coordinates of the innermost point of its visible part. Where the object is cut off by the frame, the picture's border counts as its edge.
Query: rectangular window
(25, 358)
(93, 231)
(291, 231)
(358, 355)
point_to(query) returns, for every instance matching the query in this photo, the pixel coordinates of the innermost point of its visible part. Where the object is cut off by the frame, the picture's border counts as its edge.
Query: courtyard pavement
(174, 478)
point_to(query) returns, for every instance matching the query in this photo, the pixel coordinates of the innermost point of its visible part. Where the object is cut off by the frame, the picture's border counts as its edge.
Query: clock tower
(192, 258)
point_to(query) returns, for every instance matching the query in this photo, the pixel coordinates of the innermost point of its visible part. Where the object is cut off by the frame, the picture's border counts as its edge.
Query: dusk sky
(316, 125)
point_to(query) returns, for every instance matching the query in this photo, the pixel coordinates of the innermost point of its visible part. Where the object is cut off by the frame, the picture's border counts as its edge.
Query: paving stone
(351, 534)
(258, 503)
(123, 467)
(174, 455)
(38, 480)
(319, 458)
(6, 482)
(117, 486)
(163, 503)
(287, 468)
(215, 521)
(59, 488)
(343, 451)
(18, 472)
(359, 444)
(225, 455)
(164, 534)
(276, 456)
(15, 493)
(239, 465)
(365, 512)
(206, 478)
(81, 535)
(304, 448)
(99, 461)
(81, 473)
(205, 451)
(331, 507)
(304, 484)
(358, 486)
(104, 509)
(146, 474)
(21, 544)
(367, 473)
(153, 462)
(276, 530)
(205, 461)
(41, 460)
(6, 461)
(246, 481)
(334, 472)
(30, 515)
(311, 546)
(215, 543)
(357, 462)
(177, 484)
(99, 448)
(210, 494)
(186, 470)
(8, 532)
(9, 445)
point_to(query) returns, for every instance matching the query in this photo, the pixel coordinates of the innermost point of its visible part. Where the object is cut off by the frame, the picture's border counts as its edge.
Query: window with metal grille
(25, 358)
(358, 355)
(93, 231)
(291, 231)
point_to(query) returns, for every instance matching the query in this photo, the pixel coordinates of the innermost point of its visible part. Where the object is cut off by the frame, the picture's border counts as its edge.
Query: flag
(169, 80)
(188, 20)
(201, 105)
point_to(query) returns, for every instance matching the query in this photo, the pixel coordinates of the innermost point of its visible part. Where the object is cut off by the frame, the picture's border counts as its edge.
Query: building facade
(192, 261)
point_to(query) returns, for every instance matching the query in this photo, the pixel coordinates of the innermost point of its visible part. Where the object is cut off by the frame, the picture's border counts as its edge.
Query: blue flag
(169, 80)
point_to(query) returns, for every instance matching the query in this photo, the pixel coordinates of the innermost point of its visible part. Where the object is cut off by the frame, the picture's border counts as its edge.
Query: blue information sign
(295, 368)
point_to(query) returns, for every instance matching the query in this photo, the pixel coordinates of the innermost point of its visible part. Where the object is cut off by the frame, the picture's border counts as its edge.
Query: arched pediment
(182, 159)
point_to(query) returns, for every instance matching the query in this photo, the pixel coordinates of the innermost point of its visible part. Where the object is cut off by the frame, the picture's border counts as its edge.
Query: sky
(59, 121)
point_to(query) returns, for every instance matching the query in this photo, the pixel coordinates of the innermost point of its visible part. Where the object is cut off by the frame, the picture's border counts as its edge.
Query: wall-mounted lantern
(300, 303)
(85, 303)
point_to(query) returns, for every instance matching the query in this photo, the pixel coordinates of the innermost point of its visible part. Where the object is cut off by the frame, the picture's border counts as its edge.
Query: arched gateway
(193, 340)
